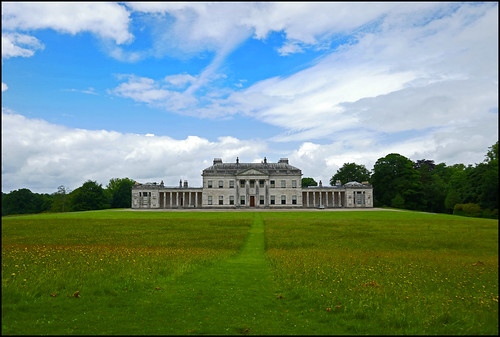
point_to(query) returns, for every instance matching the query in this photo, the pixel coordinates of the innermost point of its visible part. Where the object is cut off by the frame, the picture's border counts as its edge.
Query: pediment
(252, 172)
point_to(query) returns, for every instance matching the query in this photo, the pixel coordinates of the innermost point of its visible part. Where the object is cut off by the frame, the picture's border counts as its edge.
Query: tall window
(252, 183)
(221, 184)
(283, 183)
(262, 200)
(221, 200)
(294, 183)
(261, 183)
(209, 199)
(359, 198)
(242, 200)
(283, 199)
(231, 183)
(272, 184)
(209, 184)
(294, 199)
(242, 183)
(231, 200)
(273, 200)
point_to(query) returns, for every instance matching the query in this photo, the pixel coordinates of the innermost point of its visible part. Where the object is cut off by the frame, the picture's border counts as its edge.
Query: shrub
(470, 209)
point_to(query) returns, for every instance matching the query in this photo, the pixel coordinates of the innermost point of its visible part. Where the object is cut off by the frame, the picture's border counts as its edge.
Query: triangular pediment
(251, 172)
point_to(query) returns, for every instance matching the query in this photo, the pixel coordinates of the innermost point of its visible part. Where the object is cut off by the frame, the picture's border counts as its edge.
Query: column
(247, 193)
(237, 197)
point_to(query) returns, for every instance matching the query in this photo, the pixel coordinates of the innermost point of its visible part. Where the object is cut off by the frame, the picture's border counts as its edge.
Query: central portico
(244, 185)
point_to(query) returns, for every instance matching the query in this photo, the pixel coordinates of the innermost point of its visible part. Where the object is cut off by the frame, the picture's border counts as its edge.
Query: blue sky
(155, 91)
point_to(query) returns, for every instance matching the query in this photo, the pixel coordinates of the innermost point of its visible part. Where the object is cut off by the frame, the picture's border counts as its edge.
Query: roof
(220, 168)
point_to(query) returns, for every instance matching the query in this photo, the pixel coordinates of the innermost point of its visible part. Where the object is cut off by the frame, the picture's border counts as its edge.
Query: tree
(351, 172)
(23, 201)
(88, 197)
(120, 191)
(306, 182)
(394, 174)
(488, 195)
(60, 199)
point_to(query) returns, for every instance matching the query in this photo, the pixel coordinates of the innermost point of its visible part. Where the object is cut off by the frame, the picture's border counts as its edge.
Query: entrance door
(252, 201)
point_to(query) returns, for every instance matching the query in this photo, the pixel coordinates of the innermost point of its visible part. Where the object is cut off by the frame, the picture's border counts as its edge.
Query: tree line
(397, 182)
(426, 186)
(89, 196)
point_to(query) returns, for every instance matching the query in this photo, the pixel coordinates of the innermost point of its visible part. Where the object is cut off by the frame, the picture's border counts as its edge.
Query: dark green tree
(306, 182)
(23, 201)
(395, 174)
(488, 195)
(351, 172)
(88, 197)
(120, 191)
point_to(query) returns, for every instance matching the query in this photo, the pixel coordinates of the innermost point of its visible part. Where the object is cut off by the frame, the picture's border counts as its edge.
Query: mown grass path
(234, 296)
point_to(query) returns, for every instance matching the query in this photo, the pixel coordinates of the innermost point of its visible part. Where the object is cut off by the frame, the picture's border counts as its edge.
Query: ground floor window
(209, 199)
(273, 200)
(242, 200)
(231, 200)
(221, 200)
(262, 200)
(283, 199)
(294, 199)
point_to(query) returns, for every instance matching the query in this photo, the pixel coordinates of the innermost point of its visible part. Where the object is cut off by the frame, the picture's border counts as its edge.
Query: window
(272, 184)
(231, 183)
(283, 199)
(221, 184)
(252, 183)
(294, 183)
(242, 200)
(231, 200)
(283, 183)
(273, 200)
(221, 200)
(209, 184)
(262, 200)
(242, 183)
(209, 199)
(294, 200)
(359, 198)
(261, 183)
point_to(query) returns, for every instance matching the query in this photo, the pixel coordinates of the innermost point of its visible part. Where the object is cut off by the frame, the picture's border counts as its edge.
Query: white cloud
(107, 20)
(4, 87)
(41, 156)
(14, 44)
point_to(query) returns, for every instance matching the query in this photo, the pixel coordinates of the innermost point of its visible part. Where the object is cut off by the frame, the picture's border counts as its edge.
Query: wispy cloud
(107, 20)
(19, 45)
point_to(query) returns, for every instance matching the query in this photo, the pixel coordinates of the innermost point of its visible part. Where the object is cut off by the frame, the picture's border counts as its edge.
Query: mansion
(252, 185)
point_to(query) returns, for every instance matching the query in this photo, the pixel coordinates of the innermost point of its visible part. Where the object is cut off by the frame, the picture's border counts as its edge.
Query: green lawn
(373, 272)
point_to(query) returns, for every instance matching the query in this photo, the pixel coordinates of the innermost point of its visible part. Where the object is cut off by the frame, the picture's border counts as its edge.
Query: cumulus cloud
(107, 20)
(42, 155)
(4, 87)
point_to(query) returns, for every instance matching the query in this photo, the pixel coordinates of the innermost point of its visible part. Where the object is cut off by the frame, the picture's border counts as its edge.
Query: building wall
(226, 191)
(254, 187)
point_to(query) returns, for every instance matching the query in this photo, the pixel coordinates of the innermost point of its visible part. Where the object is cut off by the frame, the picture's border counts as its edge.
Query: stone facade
(252, 185)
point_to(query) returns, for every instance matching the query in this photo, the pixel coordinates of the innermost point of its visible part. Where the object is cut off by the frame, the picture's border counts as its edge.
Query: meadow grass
(389, 272)
(232, 273)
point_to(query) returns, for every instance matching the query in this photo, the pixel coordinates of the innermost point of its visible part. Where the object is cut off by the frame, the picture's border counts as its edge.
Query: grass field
(377, 272)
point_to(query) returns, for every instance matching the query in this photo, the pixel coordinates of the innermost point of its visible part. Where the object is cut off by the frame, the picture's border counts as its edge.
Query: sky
(155, 91)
